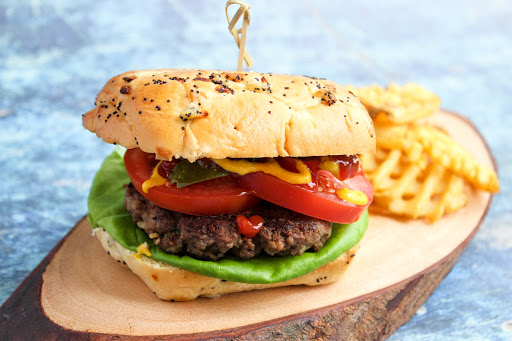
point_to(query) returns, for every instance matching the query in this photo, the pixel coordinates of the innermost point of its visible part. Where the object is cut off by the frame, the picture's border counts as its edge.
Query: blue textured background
(56, 56)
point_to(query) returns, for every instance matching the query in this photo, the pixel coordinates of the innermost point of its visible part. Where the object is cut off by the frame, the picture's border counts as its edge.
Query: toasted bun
(171, 283)
(216, 114)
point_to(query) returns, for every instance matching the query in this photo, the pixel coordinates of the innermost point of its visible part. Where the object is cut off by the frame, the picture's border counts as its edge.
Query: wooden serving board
(79, 292)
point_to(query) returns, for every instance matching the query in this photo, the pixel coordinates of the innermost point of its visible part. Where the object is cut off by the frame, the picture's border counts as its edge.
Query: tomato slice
(212, 197)
(308, 199)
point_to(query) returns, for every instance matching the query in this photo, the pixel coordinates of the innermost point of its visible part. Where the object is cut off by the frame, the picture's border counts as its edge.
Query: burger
(229, 181)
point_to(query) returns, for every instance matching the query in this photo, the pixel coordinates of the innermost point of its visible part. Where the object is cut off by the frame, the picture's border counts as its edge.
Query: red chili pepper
(249, 227)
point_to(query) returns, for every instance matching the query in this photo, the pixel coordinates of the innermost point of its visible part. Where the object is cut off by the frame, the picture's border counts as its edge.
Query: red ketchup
(249, 227)
(349, 165)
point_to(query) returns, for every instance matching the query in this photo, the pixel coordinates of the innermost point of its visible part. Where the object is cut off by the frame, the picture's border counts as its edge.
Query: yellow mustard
(143, 249)
(354, 197)
(271, 167)
(330, 166)
(155, 180)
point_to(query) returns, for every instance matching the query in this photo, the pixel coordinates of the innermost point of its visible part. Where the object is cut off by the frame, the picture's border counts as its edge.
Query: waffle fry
(418, 171)
(404, 189)
(397, 104)
(446, 152)
(398, 137)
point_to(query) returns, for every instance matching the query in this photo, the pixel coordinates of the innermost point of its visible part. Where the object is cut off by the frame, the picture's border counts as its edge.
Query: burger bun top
(218, 114)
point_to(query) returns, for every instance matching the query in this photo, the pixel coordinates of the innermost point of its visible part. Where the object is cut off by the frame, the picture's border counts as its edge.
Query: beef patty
(210, 237)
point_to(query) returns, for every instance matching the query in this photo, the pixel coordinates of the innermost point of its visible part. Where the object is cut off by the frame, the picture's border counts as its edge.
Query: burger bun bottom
(174, 284)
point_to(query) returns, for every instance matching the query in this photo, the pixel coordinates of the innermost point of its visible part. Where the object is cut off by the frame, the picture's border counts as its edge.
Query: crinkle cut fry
(397, 104)
(405, 189)
(443, 150)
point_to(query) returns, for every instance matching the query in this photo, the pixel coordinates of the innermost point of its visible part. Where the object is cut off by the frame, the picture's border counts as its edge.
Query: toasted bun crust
(217, 114)
(171, 283)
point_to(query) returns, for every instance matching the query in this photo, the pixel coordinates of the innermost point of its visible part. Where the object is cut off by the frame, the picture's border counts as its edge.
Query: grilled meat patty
(211, 237)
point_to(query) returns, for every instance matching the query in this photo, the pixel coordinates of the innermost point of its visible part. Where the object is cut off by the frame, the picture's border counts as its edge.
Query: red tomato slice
(307, 199)
(212, 197)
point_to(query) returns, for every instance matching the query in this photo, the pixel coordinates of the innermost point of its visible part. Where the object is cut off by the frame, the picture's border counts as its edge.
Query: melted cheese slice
(155, 180)
(271, 167)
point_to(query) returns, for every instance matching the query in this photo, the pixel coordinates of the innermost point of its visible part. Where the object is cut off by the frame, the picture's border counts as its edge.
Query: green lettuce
(106, 210)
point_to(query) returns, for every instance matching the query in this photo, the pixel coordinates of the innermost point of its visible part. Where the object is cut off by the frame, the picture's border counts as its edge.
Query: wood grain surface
(85, 294)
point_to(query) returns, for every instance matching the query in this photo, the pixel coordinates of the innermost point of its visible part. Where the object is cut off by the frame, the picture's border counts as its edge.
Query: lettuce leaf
(106, 210)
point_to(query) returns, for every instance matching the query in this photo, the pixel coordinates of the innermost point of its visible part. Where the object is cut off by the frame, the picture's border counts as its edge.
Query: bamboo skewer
(240, 34)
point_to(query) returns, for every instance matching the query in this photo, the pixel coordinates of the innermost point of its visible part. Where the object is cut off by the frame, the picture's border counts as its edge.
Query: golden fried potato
(445, 151)
(397, 104)
(418, 171)
(399, 137)
(404, 189)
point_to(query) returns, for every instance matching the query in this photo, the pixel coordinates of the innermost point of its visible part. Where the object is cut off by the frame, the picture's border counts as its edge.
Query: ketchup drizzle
(249, 227)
